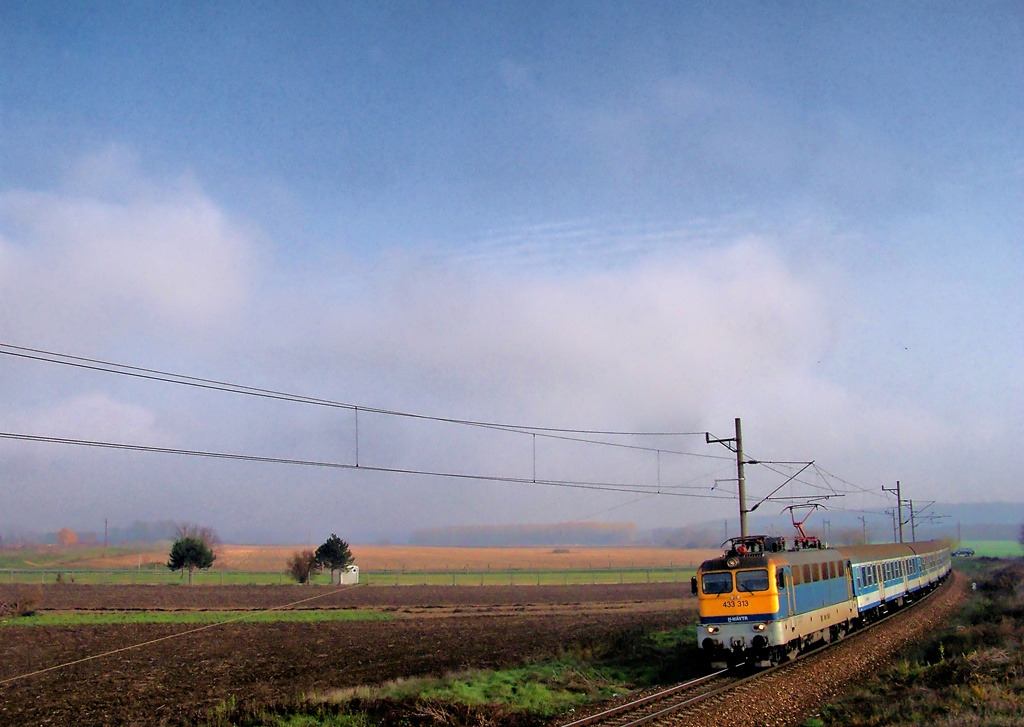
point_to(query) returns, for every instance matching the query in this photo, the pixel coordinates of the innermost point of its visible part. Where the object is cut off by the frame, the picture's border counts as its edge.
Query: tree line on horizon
(556, 534)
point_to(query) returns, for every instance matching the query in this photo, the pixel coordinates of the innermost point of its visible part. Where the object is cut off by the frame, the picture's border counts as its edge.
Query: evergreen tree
(190, 552)
(334, 554)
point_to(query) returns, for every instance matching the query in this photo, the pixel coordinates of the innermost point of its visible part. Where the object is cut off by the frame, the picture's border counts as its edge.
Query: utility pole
(742, 481)
(913, 524)
(863, 528)
(736, 445)
(894, 531)
(899, 508)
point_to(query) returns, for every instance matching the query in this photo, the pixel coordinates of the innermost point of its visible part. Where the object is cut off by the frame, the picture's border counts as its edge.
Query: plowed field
(178, 680)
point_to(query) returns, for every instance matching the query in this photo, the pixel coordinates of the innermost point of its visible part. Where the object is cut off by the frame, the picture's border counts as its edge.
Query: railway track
(687, 703)
(652, 706)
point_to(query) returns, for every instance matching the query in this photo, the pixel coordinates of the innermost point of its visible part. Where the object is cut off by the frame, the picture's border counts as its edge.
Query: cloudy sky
(639, 217)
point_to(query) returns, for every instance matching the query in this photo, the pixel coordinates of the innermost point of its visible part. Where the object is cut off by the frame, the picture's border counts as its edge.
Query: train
(763, 602)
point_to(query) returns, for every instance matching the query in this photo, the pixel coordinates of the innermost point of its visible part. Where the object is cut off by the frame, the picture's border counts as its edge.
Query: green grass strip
(101, 618)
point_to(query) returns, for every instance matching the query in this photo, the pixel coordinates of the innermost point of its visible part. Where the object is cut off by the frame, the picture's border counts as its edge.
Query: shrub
(301, 565)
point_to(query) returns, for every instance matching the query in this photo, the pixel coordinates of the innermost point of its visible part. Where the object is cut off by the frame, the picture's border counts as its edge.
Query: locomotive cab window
(715, 583)
(752, 580)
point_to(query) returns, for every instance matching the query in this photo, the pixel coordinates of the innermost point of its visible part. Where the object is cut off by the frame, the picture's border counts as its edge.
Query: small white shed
(349, 576)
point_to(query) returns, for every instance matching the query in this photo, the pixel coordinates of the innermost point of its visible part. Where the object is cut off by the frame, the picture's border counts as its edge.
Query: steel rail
(611, 712)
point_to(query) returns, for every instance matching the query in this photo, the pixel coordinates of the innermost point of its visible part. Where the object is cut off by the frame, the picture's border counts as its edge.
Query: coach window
(717, 583)
(831, 569)
(752, 580)
(797, 580)
(842, 569)
(807, 574)
(815, 572)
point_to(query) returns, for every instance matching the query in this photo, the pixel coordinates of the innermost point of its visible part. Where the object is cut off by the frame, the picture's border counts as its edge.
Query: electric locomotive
(763, 602)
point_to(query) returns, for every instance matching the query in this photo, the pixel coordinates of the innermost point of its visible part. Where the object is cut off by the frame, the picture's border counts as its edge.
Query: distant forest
(525, 535)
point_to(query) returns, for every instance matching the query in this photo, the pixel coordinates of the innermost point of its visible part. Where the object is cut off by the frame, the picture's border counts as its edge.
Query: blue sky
(638, 216)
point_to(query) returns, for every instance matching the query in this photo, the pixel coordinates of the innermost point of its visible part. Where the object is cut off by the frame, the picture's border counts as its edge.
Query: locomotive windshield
(752, 580)
(717, 583)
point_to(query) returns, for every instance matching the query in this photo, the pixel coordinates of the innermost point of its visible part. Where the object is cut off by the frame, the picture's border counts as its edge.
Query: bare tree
(301, 565)
(200, 532)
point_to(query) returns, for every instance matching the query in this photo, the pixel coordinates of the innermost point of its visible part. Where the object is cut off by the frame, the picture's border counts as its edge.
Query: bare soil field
(272, 558)
(179, 680)
(70, 597)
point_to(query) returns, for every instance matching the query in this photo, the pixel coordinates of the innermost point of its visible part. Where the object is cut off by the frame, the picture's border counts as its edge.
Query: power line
(675, 490)
(553, 433)
(150, 374)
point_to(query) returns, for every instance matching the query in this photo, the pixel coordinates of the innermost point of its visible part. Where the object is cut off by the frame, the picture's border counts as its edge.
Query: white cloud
(658, 336)
(119, 253)
(94, 416)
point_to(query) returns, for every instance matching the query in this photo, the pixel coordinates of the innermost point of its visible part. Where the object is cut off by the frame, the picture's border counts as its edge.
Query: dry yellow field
(272, 558)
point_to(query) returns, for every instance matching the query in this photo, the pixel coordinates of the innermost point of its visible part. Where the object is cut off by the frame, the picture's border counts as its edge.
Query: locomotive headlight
(712, 629)
(760, 627)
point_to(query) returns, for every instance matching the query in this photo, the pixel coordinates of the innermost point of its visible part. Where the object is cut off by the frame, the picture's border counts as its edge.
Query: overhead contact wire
(110, 367)
(604, 486)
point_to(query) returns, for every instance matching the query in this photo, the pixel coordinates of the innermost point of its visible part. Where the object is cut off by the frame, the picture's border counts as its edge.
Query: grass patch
(994, 548)
(544, 689)
(51, 571)
(102, 618)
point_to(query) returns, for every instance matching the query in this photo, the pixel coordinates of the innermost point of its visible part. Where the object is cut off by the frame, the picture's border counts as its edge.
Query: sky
(630, 217)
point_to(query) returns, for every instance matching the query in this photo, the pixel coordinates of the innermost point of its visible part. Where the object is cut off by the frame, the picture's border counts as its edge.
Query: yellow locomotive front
(739, 601)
